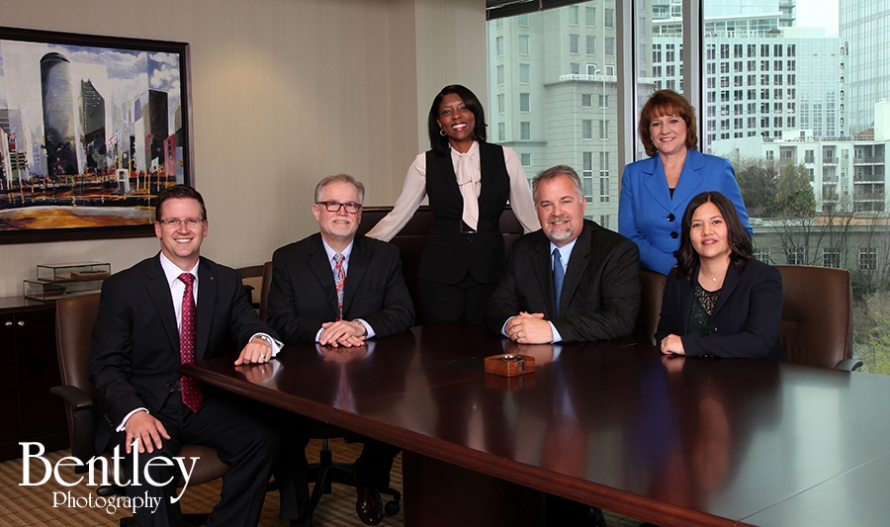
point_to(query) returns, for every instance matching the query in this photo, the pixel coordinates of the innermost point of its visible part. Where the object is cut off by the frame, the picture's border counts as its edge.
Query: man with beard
(338, 289)
(570, 281)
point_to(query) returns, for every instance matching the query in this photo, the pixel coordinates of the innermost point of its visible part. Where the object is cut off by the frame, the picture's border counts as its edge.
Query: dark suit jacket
(601, 292)
(134, 350)
(746, 320)
(303, 296)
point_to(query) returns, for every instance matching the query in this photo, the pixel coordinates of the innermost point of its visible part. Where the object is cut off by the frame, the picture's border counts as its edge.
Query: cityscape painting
(91, 130)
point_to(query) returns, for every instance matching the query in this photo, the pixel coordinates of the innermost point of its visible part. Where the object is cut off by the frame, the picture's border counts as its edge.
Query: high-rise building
(865, 27)
(152, 128)
(92, 118)
(58, 115)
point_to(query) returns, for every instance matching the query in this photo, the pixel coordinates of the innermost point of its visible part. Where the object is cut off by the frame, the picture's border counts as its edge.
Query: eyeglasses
(334, 206)
(191, 223)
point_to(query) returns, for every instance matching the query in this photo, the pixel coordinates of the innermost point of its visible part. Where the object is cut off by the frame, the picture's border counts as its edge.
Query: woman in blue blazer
(656, 191)
(718, 300)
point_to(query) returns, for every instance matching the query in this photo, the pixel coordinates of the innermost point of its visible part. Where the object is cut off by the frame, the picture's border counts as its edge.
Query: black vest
(449, 255)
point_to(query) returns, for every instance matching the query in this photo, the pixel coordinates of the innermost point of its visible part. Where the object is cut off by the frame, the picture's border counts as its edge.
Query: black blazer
(302, 295)
(746, 320)
(134, 349)
(601, 292)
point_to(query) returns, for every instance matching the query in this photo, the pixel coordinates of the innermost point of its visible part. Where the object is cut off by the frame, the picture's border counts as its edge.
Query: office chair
(75, 318)
(651, 295)
(326, 471)
(817, 317)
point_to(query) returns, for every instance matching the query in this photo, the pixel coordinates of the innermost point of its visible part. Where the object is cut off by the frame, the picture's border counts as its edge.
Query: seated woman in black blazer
(719, 301)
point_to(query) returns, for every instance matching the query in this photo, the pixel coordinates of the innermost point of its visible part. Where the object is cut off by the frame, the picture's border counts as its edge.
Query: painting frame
(95, 173)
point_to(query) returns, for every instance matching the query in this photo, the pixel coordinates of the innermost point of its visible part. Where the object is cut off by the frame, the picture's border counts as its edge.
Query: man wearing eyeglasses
(173, 308)
(339, 289)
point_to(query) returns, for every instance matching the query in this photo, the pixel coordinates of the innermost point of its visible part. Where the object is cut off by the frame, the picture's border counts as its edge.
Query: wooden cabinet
(29, 369)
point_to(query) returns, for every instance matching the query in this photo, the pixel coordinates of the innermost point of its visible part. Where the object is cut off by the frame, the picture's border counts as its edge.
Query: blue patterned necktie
(559, 276)
(340, 282)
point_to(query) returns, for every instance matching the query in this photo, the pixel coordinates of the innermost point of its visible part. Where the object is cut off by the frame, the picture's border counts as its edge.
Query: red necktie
(191, 390)
(340, 282)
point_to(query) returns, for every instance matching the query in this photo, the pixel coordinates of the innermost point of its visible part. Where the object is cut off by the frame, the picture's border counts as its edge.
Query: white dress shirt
(414, 190)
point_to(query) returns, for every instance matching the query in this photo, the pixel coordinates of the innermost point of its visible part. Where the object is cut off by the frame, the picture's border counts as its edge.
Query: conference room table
(669, 440)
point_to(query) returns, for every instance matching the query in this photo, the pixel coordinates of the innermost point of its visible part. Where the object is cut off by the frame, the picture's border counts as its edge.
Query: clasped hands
(529, 328)
(346, 333)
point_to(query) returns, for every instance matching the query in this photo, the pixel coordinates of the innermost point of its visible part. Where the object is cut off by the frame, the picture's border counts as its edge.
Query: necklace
(712, 278)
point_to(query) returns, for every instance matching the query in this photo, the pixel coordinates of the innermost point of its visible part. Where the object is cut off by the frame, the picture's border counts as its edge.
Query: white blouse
(468, 164)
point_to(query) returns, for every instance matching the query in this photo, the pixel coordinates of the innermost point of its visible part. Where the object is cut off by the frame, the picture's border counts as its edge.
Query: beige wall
(283, 93)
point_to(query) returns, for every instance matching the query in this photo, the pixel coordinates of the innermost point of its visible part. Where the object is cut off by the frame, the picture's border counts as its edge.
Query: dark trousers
(461, 303)
(243, 442)
(372, 468)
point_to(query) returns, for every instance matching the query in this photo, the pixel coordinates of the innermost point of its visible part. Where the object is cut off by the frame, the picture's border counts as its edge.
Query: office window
(762, 255)
(574, 45)
(500, 74)
(524, 73)
(525, 159)
(499, 42)
(604, 101)
(502, 132)
(587, 129)
(524, 102)
(759, 45)
(574, 68)
(573, 15)
(501, 103)
(523, 44)
(604, 221)
(525, 130)
(604, 129)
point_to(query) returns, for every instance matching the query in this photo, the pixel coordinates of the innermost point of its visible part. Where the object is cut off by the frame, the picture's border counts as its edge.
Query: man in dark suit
(337, 288)
(152, 320)
(570, 281)
(597, 268)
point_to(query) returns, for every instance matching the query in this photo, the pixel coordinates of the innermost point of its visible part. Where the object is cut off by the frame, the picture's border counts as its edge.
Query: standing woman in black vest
(468, 182)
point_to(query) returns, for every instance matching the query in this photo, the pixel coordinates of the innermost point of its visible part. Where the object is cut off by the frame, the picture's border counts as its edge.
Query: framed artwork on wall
(92, 128)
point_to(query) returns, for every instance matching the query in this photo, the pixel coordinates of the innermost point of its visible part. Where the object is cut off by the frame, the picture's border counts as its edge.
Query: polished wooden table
(672, 441)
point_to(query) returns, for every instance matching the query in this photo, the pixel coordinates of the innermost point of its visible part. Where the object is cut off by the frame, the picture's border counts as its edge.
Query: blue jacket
(652, 219)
